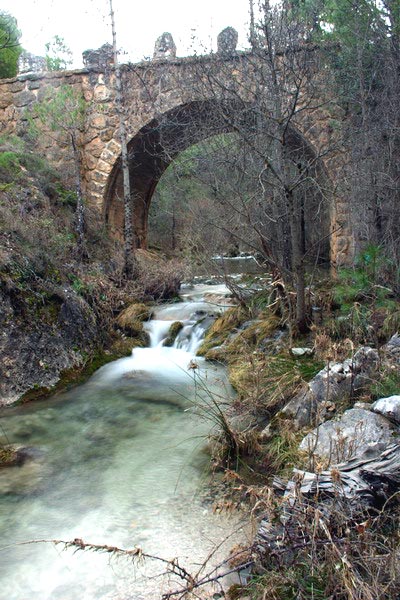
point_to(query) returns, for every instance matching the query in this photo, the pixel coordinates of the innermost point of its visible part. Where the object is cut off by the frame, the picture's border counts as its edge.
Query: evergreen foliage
(10, 48)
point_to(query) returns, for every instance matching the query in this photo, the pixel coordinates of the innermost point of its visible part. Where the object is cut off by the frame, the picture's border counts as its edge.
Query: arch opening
(165, 138)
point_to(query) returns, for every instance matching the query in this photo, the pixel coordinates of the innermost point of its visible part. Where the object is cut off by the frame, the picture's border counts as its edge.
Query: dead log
(331, 502)
(368, 482)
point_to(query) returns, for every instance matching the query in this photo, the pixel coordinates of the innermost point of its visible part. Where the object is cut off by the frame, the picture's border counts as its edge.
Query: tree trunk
(130, 264)
(298, 270)
(80, 209)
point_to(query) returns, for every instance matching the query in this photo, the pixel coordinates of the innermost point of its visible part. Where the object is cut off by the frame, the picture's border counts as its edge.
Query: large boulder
(335, 383)
(34, 352)
(357, 432)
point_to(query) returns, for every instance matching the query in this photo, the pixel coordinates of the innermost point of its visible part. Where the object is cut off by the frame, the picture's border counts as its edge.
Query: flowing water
(120, 461)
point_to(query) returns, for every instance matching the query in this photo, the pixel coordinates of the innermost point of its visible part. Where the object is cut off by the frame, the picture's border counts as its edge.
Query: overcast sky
(85, 24)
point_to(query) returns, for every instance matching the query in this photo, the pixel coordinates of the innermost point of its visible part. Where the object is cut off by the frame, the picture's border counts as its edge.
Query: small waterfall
(196, 318)
(158, 331)
(168, 364)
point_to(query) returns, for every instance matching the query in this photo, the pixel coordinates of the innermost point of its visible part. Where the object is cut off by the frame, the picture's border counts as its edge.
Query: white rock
(302, 351)
(388, 407)
(355, 433)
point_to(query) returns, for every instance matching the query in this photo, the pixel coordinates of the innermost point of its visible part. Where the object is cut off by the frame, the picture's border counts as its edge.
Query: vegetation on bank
(48, 287)
(347, 554)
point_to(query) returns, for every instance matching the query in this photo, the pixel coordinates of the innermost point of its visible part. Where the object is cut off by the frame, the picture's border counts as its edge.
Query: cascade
(116, 461)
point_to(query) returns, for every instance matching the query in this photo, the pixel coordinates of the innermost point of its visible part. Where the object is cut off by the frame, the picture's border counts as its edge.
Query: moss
(172, 333)
(254, 336)
(222, 328)
(266, 382)
(217, 354)
(282, 448)
(8, 456)
(131, 319)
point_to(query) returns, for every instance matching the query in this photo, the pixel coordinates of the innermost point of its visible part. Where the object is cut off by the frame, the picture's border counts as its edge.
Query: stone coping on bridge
(143, 64)
(152, 91)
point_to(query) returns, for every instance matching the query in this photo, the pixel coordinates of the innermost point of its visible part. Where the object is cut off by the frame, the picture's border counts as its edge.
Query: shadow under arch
(155, 146)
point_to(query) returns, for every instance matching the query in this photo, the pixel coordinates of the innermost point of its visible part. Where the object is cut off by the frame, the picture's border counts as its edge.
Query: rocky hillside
(57, 310)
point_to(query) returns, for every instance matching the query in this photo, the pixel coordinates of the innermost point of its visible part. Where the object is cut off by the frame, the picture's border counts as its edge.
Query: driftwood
(368, 482)
(332, 502)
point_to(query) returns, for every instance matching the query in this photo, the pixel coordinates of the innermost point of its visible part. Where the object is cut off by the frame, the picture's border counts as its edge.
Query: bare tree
(62, 115)
(130, 265)
(278, 191)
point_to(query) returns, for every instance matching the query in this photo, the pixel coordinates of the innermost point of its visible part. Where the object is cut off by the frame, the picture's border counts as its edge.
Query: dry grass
(330, 552)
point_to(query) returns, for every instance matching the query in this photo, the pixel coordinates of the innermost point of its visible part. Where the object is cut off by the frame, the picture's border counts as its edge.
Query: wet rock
(227, 41)
(131, 321)
(164, 48)
(389, 408)
(337, 382)
(173, 331)
(357, 432)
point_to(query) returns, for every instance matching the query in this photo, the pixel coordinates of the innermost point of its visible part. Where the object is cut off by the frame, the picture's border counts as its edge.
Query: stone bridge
(169, 104)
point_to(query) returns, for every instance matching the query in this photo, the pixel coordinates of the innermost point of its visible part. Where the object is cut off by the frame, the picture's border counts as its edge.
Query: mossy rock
(172, 333)
(222, 328)
(8, 457)
(74, 376)
(217, 354)
(124, 346)
(131, 319)
(253, 336)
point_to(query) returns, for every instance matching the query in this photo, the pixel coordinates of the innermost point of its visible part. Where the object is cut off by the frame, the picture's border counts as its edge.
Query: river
(121, 461)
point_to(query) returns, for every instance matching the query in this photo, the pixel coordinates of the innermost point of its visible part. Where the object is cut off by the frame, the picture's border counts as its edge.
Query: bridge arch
(158, 143)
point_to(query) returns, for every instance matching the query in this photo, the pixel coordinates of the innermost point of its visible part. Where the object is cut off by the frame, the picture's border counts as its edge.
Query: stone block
(98, 121)
(24, 98)
(17, 86)
(95, 147)
(100, 177)
(227, 41)
(164, 47)
(107, 134)
(104, 166)
(102, 93)
(389, 408)
(6, 99)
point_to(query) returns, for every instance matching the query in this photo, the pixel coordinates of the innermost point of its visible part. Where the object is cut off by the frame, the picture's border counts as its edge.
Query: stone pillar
(227, 41)
(164, 48)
